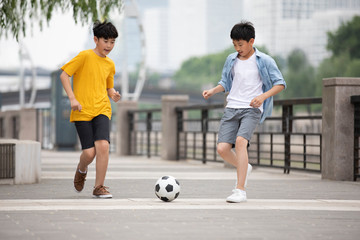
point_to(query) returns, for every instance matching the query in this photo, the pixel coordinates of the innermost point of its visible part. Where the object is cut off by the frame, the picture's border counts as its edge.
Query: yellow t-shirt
(92, 76)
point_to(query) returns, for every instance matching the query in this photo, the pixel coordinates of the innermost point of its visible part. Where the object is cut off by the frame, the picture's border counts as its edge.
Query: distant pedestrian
(252, 78)
(93, 84)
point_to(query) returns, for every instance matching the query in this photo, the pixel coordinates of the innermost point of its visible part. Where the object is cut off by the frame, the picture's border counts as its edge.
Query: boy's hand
(207, 94)
(257, 101)
(114, 95)
(75, 105)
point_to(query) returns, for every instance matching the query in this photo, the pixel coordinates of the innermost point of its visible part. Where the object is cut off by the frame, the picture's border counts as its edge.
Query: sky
(57, 43)
(50, 48)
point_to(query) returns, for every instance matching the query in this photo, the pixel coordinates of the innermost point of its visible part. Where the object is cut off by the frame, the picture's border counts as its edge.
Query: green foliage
(302, 79)
(15, 16)
(346, 39)
(199, 71)
(345, 60)
(299, 76)
(337, 66)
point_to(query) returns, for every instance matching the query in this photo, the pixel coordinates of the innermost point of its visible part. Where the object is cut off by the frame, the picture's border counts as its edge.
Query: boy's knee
(102, 146)
(222, 149)
(241, 142)
(89, 153)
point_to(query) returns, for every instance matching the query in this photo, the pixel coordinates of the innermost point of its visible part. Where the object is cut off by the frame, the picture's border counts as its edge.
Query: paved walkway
(295, 206)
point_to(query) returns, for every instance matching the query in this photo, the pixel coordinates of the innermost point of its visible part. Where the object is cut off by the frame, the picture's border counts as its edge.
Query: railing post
(338, 128)
(148, 131)
(131, 129)
(287, 130)
(355, 100)
(169, 143)
(180, 128)
(271, 149)
(304, 141)
(258, 148)
(123, 140)
(204, 129)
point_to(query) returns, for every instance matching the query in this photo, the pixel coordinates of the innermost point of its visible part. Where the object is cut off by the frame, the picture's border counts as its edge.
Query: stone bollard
(122, 126)
(169, 124)
(28, 124)
(338, 128)
(23, 161)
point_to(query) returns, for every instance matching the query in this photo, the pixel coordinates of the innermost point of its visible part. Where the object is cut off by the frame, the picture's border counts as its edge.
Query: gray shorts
(238, 122)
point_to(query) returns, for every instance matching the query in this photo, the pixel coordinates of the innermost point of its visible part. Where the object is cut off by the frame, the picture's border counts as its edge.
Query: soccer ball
(167, 188)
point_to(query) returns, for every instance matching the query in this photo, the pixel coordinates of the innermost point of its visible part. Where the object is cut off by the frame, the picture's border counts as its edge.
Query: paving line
(143, 175)
(178, 204)
(180, 175)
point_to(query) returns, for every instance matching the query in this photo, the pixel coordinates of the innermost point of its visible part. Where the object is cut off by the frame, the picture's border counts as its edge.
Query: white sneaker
(237, 196)
(247, 175)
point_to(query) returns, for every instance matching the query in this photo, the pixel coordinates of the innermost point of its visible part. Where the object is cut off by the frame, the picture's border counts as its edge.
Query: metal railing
(145, 132)
(284, 147)
(356, 101)
(7, 160)
(196, 137)
(2, 132)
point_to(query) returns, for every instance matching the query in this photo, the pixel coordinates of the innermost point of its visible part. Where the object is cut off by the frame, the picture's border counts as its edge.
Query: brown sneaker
(79, 180)
(101, 192)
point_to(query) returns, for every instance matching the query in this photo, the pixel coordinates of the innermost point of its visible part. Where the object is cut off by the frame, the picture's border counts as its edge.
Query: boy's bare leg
(242, 161)
(86, 157)
(102, 159)
(225, 151)
(239, 159)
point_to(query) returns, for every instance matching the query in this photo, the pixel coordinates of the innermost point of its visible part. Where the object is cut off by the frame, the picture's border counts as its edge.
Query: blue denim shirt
(269, 73)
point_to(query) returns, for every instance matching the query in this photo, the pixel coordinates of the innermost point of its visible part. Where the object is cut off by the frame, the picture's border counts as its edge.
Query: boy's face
(104, 46)
(244, 48)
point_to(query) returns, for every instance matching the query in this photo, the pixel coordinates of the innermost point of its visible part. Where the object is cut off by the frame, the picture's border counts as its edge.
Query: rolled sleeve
(274, 73)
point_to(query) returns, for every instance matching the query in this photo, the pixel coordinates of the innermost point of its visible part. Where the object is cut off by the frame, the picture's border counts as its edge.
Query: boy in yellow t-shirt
(93, 84)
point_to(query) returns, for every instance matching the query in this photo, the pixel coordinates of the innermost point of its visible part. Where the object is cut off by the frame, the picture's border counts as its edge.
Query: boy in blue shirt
(252, 78)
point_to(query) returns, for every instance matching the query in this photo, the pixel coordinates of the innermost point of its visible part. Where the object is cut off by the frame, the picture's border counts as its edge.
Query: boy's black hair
(243, 31)
(104, 30)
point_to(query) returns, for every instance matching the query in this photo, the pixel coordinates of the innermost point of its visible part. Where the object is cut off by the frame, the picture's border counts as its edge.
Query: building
(187, 28)
(284, 25)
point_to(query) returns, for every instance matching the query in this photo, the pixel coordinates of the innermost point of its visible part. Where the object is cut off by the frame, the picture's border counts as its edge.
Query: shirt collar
(257, 53)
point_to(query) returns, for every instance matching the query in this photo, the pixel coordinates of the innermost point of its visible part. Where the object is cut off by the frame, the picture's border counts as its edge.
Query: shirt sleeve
(74, 64)
(224, 81)
(110, 79)
(275, 75)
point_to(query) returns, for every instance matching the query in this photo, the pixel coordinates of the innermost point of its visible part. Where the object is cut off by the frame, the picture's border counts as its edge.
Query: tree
(299, 76)
(346, 39)
(17, 15)
(199, 71)
(345, 47)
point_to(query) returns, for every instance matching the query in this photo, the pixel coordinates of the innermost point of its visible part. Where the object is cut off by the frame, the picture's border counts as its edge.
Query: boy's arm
(65, 80)
(208, 93)
(257, 101)
(113, 94)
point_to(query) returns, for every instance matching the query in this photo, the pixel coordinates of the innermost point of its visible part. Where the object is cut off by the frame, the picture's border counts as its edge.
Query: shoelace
(103, 189)
(81, 178)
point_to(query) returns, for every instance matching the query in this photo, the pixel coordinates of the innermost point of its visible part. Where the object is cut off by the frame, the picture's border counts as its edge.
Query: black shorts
(90, 131)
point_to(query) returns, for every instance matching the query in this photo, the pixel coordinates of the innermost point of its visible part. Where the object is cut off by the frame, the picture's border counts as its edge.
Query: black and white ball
(167, 188)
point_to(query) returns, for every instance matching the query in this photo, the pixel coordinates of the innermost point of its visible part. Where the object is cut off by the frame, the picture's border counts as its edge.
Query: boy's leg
(101, 127)
(85, 133)
(102, 160)
(249, 120)
(242, 161)
(225, 151)
(236, 158)
(86, 158)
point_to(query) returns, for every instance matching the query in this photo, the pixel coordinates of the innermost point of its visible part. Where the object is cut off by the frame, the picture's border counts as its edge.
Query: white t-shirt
(246, 84)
